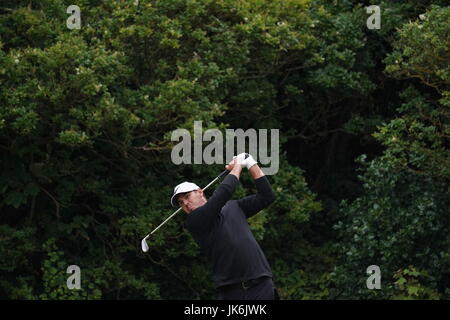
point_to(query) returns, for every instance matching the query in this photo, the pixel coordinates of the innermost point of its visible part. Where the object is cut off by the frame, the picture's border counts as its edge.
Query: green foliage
(287, 221)
(16, 247)
(407, 281)
(421, 50)
(86, 118)
(400, 220)
(418, 139)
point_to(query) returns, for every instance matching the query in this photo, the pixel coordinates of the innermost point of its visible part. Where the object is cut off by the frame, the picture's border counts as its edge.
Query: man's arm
(203, 216)
(225, 191)
(264, 194)
(256, 172)
(236, 168)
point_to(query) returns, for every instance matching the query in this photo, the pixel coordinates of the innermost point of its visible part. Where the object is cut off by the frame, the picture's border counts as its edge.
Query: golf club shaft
(218, 177)
(165, 221)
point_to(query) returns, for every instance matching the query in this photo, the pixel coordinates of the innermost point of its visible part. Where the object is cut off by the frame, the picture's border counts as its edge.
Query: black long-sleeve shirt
(221, 230)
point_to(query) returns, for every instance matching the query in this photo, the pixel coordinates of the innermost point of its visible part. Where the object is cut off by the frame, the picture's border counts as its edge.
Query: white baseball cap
(182, 188)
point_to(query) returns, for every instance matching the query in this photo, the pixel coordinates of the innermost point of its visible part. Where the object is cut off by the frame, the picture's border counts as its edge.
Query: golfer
(219, 226)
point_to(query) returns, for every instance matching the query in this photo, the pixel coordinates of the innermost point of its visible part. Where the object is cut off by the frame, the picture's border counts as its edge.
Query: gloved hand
(246, 162)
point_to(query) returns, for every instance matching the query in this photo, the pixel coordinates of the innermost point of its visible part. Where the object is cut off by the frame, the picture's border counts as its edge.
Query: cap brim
(172, 200)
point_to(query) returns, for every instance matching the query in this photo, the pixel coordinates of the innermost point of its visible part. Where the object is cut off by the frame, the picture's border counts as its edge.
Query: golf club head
(144, 245)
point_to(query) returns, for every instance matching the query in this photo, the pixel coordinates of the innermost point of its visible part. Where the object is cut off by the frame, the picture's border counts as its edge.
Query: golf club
(144, 244)
(144, 241)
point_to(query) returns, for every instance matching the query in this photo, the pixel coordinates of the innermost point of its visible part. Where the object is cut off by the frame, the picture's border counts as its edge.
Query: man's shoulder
(232, 205)
(232, 202)
(192, 217)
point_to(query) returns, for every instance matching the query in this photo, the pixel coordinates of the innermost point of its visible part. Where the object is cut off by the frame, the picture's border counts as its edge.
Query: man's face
(190, 201)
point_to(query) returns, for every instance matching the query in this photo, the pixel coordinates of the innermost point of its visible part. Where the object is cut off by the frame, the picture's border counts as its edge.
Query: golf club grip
(225, 172)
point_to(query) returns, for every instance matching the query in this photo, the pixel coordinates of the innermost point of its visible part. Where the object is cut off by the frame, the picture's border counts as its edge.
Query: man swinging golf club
(219, 226)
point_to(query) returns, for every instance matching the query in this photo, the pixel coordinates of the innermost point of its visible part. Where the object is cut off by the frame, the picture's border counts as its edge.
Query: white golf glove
(246, 162)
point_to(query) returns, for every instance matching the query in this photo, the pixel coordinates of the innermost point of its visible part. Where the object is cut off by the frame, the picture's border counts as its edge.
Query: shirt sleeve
(254, 203)
(203, 216)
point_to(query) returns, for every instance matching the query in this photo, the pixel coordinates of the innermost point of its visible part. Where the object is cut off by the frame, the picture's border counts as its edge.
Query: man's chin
(190, 209)
(193, 207)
